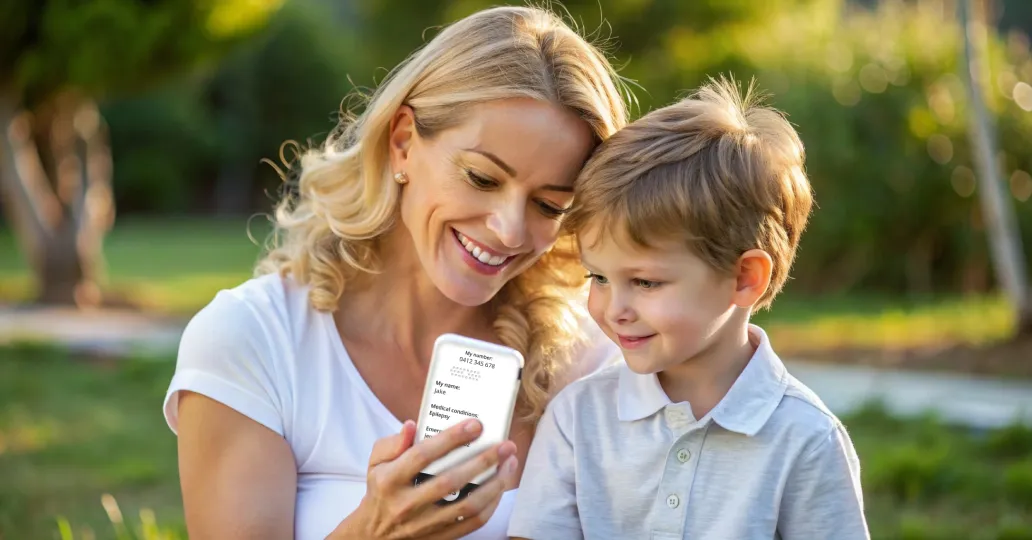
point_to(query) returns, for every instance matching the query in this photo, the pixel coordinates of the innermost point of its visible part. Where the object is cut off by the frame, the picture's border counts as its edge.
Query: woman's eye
(646, 284)
(552, 210)
(597, 278)
(478, 181)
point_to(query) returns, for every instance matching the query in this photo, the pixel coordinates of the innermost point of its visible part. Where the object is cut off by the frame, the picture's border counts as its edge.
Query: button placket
(678, 474)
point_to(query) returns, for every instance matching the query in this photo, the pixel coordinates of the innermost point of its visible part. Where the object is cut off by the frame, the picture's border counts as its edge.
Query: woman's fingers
(419, 456)
(390, 448)
(468, 515)
(458, 476)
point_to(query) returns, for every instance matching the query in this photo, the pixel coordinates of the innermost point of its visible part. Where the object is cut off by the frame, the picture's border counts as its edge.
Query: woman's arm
(238, 477)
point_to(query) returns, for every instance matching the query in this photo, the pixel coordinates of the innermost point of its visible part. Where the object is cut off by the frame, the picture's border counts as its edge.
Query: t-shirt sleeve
(824, 498)
(546, 501)
(225, 354)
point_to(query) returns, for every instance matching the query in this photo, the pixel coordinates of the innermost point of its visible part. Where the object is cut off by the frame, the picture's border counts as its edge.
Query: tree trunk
(1001, 225)
(55, 181)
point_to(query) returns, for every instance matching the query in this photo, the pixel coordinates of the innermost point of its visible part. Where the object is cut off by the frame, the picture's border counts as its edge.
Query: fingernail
(472, 426)
(506, 450)
(510, 465)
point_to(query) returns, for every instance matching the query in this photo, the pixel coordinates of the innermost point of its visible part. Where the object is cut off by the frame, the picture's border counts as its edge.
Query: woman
(438, 210)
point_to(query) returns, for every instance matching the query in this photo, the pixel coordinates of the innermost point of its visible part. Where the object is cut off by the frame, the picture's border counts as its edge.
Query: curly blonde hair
(326, 234)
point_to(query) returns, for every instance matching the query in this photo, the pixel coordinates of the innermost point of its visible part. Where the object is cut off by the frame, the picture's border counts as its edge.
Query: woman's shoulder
(251, 316)
(239, 349)
(266, 298)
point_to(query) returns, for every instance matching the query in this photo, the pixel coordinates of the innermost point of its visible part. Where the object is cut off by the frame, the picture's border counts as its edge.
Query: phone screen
(469, 381)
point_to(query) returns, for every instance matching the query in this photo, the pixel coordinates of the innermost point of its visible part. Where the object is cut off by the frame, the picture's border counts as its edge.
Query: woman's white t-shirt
(262, 350)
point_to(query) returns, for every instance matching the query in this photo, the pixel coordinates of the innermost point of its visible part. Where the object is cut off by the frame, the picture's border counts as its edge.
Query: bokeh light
(1023, 95)
(1021, 185)
(963, 181)
(940, 148)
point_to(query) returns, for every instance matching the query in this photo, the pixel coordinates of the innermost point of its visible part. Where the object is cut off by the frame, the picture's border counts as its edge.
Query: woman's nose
(509, 223)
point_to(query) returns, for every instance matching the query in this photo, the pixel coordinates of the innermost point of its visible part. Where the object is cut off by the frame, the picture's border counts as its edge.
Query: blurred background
(133, 187)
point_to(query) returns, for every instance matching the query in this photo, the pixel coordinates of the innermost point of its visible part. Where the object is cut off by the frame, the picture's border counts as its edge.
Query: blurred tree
(1004, 235)
(287, 85)
(55, 157)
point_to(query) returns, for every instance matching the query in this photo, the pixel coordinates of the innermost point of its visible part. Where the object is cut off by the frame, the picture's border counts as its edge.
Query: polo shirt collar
(745, 408)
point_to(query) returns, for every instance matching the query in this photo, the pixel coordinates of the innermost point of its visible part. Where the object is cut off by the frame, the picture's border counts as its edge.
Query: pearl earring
(401, 177)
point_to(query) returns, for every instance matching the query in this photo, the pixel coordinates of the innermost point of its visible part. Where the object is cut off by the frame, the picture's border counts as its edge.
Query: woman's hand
(394, 508)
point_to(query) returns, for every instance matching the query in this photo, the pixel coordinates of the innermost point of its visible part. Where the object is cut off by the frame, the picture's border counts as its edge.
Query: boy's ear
(752, 277)
(402, 135)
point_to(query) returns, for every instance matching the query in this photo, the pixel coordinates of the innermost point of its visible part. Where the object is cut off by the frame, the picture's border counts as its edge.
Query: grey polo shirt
(615, 458)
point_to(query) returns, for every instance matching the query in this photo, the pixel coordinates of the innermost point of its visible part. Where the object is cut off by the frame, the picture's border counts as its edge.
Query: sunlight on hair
(718, 171)
(341, 197)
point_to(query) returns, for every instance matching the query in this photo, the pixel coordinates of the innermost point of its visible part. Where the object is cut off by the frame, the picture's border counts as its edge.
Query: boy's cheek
(596, 306)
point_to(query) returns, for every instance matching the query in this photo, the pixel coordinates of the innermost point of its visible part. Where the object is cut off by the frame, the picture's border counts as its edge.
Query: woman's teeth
(479, 254)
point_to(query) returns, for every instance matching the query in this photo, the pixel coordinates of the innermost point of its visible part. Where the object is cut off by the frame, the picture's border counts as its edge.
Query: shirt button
(673, 501)
(683, 455)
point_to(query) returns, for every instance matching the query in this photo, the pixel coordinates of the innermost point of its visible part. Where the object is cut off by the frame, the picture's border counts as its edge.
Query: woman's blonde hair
(326, 234)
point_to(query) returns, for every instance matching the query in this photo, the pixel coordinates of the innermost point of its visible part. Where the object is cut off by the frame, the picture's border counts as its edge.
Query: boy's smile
(634, 342)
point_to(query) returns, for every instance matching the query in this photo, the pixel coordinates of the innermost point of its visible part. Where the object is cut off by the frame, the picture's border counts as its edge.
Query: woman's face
(484, 200)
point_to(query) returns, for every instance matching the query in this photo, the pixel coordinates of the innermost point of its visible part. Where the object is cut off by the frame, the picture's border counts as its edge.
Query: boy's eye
(478, 181)
(597, 278)
(646, 284)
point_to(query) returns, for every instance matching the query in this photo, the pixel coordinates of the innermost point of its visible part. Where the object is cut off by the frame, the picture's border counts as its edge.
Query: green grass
(168, 265)
(73, 430)
(925, 480)
(882, 323)
(176, 266)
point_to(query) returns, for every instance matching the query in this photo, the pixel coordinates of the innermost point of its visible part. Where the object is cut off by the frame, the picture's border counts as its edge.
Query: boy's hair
(717, 170)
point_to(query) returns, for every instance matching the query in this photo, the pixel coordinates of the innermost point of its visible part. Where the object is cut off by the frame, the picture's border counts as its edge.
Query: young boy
(688, 221)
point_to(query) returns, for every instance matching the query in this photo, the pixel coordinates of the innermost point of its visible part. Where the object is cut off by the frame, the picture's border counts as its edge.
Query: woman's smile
(479, 257)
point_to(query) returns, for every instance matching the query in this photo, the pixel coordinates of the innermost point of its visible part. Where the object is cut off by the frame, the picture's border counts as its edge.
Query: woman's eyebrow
(497, 160)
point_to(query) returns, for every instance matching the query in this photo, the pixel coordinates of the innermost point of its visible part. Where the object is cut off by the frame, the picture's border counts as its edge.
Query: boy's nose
(619, 312)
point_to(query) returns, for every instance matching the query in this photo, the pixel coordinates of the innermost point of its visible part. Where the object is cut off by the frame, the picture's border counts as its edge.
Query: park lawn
(72, 430)
(168, 265)
(175, 266)
(75, 429)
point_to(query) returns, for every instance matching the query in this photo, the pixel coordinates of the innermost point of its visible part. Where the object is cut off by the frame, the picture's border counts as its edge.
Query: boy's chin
(641, 364)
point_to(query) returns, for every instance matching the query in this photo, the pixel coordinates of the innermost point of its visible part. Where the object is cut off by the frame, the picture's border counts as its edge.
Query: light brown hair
(717, 170)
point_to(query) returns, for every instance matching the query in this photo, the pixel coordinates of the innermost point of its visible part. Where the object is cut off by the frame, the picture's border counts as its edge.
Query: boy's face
(662, 306)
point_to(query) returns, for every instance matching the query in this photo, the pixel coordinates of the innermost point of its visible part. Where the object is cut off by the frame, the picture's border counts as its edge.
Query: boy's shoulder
(803, 412)
(601, 383)
(592, 395)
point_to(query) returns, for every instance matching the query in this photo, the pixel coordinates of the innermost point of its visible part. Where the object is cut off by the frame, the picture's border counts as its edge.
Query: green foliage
(164, 143)
(875, 95)
(288, 83)
(1018, 483)
(108, 46)
(1012, 442)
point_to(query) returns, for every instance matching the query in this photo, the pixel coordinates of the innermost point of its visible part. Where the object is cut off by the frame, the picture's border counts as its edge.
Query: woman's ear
(402, 135)
(752, 277)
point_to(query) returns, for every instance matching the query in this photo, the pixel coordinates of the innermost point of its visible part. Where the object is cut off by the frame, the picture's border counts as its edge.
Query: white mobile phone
(468, 378)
